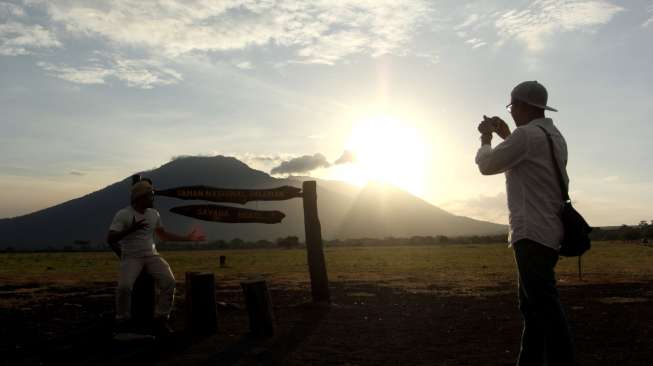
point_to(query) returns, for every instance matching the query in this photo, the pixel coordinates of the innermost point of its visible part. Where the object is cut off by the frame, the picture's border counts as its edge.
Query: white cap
(532, 93)
(140, 188)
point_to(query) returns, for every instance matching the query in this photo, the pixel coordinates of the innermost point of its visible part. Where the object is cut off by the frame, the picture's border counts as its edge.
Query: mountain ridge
(346, 211)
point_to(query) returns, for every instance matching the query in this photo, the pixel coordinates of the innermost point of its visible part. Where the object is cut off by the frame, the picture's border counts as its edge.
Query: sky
(93, 91)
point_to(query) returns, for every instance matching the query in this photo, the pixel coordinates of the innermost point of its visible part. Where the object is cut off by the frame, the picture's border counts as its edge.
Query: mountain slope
(345, 211)
(381, 211)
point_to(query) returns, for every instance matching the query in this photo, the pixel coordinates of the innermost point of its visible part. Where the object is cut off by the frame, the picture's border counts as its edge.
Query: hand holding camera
(494, 124)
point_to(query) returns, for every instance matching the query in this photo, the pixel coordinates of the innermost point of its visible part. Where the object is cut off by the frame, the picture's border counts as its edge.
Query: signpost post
(313, 229)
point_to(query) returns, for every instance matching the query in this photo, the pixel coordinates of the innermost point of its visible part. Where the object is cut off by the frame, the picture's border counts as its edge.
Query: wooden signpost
(230, 214)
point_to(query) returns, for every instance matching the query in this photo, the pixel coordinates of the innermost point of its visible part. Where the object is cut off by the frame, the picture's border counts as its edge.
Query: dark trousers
(546, 335)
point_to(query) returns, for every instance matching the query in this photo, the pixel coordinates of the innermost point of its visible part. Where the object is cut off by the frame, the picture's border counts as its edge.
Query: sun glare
(389, 151)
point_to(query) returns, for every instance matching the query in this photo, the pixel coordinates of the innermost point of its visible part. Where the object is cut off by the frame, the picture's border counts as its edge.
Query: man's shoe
(128, 331)
(124, 326)
(162, 327)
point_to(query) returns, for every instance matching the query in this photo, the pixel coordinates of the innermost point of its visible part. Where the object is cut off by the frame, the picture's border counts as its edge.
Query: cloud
(138, 73)
(302, 164)
(317, 31)
(266, 159)
(262, 162)
(611, 178)
(490, 208)
(144, 73)
(543, 18)
(305, 163)
(469, 21)
(346, 157)
(84, 75)
(8, 10)
(74, 172)
(476, 42)
(303, 31)
(244, 65)
(649, 21)
(535, 23)
(17, 38)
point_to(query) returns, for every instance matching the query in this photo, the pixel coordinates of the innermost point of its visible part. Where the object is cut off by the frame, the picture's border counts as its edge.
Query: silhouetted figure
(534, 201)
(131, 236)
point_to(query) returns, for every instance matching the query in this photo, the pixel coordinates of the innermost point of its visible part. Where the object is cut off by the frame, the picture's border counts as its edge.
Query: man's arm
(504, 156)
(164, 235)
(115, 236)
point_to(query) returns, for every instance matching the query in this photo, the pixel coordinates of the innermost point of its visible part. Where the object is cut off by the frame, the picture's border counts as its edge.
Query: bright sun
(388, 151)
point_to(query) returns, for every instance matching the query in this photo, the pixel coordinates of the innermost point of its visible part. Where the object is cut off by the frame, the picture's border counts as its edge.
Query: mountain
(346, 211)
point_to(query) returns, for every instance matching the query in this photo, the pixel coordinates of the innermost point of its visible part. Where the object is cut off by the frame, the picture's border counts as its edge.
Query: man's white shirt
(533, 190)
(141, 242)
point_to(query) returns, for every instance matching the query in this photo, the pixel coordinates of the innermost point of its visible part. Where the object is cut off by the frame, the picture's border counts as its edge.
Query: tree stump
(259, 307)
(223, 261)
(201, 313)
(143, 300)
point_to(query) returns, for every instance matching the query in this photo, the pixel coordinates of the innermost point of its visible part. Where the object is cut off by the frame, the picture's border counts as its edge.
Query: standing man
(131, 236)
(534, 201)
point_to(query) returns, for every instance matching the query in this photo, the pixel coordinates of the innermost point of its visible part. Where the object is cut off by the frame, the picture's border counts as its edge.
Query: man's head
(142, 194)
(528, 102)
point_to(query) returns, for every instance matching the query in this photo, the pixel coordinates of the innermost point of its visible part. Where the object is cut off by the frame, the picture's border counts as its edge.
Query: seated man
(131, 236)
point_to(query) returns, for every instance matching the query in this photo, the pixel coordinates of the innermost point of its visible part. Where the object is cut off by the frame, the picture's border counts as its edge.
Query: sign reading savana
(219, 213)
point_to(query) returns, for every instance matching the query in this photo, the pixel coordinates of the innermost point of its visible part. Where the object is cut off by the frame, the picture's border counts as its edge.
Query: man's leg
(158, 268)
(531, 350)
(541, 306)
(559, 343)
(130, 268)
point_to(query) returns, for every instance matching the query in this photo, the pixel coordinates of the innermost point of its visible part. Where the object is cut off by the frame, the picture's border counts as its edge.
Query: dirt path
(367, 325)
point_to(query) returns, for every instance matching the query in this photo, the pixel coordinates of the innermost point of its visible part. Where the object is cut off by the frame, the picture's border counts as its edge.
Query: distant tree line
(287, 242)
(418, 240)
(641, 232)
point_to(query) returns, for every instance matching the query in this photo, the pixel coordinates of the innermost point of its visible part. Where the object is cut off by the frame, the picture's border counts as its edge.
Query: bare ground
(369, 323)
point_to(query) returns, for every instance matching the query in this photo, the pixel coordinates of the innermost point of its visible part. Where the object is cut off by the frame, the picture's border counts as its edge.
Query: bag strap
(563, 186)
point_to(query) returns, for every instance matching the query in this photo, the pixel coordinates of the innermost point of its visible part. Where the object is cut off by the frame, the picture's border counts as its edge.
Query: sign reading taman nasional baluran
(241, 196)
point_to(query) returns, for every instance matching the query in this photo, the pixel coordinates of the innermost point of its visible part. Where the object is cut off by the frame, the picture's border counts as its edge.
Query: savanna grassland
(446, 304)
(461, 268)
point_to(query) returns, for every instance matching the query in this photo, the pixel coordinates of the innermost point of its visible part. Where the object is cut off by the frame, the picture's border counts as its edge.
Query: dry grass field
(443, 305)
(462, 266)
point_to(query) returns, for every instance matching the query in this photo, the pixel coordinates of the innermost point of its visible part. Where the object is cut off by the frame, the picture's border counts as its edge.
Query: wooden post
(143, 300)
(259, 307)
(201, 314)
(315, 252)
(223, 261)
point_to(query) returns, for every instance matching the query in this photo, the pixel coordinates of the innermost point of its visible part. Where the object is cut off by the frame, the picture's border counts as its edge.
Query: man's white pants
(130, 269)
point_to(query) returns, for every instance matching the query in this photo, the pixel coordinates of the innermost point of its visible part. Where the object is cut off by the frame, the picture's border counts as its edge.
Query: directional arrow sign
(241, 196)
(218, 213)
